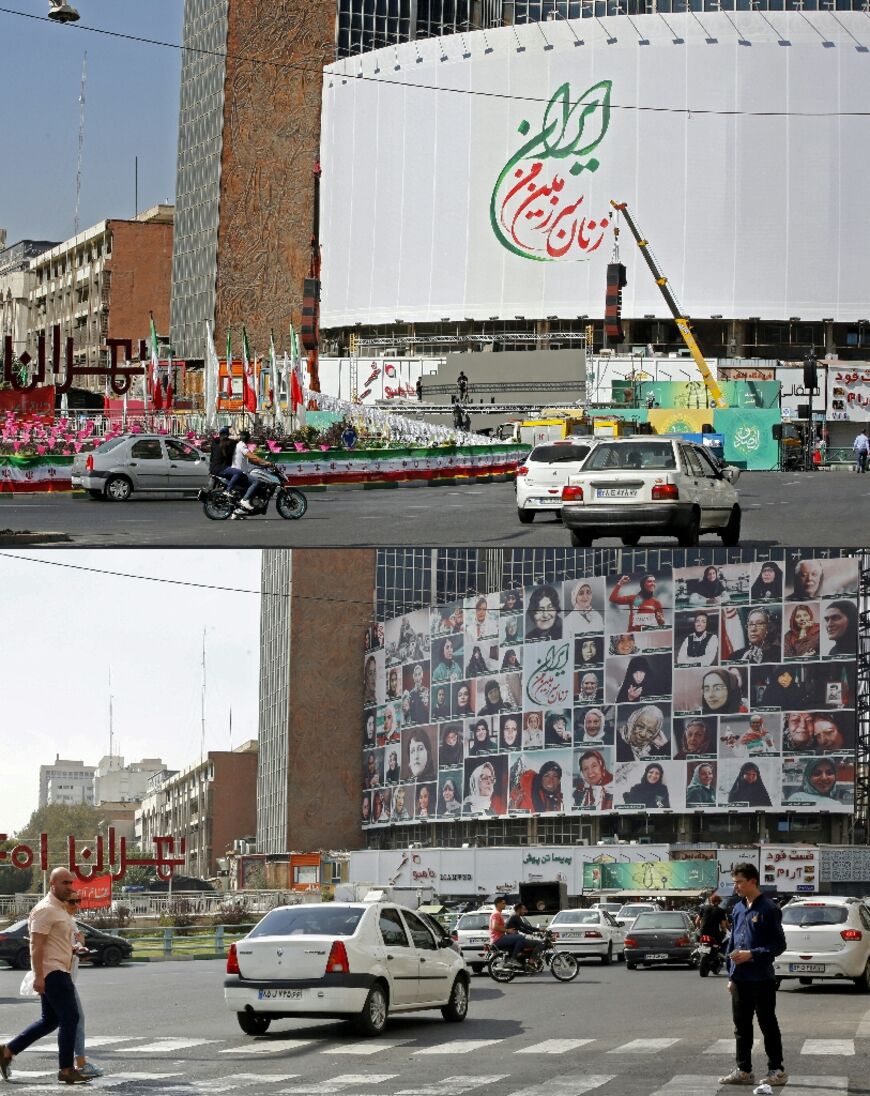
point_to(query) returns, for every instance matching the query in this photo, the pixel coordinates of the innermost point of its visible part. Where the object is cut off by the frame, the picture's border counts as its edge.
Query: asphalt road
(163, 1028)
(825, 509)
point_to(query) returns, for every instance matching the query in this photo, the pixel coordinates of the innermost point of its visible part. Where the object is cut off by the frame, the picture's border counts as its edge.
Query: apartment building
(68, 782)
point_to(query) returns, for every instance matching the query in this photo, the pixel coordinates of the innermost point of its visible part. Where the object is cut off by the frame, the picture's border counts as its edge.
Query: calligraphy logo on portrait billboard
(549, 682)
(538, 209)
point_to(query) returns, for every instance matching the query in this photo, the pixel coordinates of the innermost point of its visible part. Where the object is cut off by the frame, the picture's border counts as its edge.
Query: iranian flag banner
(249, 386)
(229, 377)
(154, 379)
(297, 396)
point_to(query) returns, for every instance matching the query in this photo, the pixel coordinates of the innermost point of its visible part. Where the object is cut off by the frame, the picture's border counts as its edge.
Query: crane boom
(682, 322)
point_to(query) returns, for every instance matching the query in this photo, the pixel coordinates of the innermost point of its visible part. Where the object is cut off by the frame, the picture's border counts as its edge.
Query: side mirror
(730, 473)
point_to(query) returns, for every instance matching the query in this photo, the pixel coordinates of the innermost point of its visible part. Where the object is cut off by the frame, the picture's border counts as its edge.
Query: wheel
(688, 537)
(862, 982)
(629, 965)
(22, 959)
(217, 506)
(730, 535)
(564, 966)
(96, 494)
(253, 1023)
(291, 503)
(607, 957)
(118, 488)
(478, 968)
(373, 1018)
(456, 1008)
(525, 516)
(111, 956)
(805, 981)
(582, 539)
(704, 966)
(499, 971)
(630, 540)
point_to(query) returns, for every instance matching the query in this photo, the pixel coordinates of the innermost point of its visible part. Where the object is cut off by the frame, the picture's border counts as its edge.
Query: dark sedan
(104, 950)
(660, 938)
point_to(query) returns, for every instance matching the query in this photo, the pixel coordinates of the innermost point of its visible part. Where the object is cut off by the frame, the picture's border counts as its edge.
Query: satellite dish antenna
(61, 12)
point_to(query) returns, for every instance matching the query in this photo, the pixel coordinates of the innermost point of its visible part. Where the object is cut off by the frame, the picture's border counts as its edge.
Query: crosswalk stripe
(166, 1045)
(566, 1086)
(243, 1080)
(459, 1046)
(863, 1026)
(828, 1046)
(554, 1046)
(340, 1084)
(123, 1079)
(643, 1046)
(109, 1040)
(268, 1046)
(451, 1085)
(370, 1046)
(688, 1084)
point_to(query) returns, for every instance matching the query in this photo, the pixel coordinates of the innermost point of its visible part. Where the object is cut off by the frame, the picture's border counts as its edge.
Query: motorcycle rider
(243, 458)
(526, 931)
(499, 937)
(713, 921)
(220, 462)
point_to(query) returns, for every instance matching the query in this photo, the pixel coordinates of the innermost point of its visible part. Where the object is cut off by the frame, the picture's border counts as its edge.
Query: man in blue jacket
(756, 939)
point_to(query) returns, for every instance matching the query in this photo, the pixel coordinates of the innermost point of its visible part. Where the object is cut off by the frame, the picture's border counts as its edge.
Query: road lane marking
(453, 1084)
(458, 1046)
(240, 1080)
(370, 1046)
(555, 1046)
(643, 1046)
(123, 1078)
(166, 1045)
(687, 1084)
(571, 1085)
(863, 1031)
(829, 1046)
(268, 1047)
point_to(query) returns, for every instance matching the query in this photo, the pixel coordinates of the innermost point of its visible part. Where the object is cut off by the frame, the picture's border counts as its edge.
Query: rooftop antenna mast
(202, 703)
(81, 139)
(111, 721)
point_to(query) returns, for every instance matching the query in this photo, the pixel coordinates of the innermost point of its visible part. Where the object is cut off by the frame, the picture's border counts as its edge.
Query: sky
(66, 629)
(131, 109)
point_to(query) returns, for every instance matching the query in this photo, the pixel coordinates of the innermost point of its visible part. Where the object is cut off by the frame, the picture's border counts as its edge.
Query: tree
(13, 880)
(58, 821)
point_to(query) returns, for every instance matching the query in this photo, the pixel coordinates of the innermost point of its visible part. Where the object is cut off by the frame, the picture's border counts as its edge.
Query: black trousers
(756, 999)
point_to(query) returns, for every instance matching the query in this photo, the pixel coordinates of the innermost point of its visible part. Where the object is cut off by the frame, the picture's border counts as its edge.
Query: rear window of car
(473, 921)
(660, 921)
(633, 911)
(108, 446)
(577, 917)
(310, 921)
(564, 453)
(804, 916)
(611, 456)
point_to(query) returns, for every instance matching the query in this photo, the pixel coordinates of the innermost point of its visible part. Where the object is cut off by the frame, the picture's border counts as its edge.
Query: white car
(588, 932)
(630, 487)
(471, 933)
(543, 474)
(359, 961)
(611, 907)
(826, 938)
(629, 911)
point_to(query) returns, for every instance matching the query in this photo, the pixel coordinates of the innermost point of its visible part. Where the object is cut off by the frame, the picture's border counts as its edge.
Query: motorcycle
(220, 503)
(562, 964)
(710, 957)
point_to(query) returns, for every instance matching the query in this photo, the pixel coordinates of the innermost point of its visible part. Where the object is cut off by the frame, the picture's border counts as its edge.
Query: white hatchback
(351, 960)
(588, 932)
(543, 474)
(471, 933)
(630, 487)
(826, 938)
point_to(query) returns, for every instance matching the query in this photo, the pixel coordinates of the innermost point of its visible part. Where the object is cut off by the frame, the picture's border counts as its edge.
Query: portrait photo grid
(724, 688)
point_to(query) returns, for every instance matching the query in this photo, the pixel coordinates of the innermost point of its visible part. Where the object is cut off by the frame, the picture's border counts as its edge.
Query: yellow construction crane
(681, 321)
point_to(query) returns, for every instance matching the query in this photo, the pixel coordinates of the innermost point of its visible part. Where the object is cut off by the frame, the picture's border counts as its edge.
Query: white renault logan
(359, 961)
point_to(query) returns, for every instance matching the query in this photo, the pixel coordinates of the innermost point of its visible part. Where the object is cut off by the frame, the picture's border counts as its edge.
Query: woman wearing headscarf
(543, 618)
(802, 638)
(463, 707)
(494, 703)
(721, 693)
(420, 764)
(449, 802)
(819, 785)
(480, 739)
(440, 704)
(477, 664)
(701, 789)
(557, 729)
(450, 749)
(642, 735)
(768, 585)
(593, 788)
(709, 589)
(481, 798)
(841, 626)
(639, 682)
(748, 789)
(540, 791)
(584, 618)
(400, 812)
(783, 691)
(511, 660)
(651, 791)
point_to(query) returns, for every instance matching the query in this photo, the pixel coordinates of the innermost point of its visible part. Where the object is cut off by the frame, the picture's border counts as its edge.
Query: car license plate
(279, 994)
(539, 502)
(477, 940)
(806, 968)
(656, 955)
(704, 949)
(615, 492)
(76, 481)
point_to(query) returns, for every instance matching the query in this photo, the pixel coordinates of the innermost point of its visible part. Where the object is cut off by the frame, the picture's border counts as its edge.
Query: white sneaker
(737, 1077)
(245, 505)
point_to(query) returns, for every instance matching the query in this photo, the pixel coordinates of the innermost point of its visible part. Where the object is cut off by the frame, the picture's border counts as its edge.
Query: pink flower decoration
(300, 447)
(40, 449)
(273, 446)
(16, 445)
(135, 428)
(78, 447)
(325, 448)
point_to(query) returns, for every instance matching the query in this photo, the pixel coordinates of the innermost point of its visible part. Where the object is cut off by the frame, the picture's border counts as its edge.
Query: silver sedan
(140, 463)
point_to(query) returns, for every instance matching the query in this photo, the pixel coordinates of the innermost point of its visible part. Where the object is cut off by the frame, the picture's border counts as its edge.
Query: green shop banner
(749, 440)
(690, 875)
(692, 395)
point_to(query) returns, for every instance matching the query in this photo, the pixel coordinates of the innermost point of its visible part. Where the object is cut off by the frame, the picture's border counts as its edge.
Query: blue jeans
(235, 478)
(860, 460)
(59, 1012)
(80, 1027)
(510, 942)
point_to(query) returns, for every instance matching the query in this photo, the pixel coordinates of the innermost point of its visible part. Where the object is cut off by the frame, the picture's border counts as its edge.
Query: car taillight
(706, 940)
(852, 934)
(572, 493)
(522, 470)
(682, 941)
(89, 463)
(665, 491)
(630, 942)
(594, 934)
(337, 962)
(232, 961)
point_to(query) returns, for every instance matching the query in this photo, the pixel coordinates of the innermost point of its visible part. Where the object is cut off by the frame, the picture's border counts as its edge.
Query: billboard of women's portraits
(373, 678)
(485, 786)
(510, 731)
(463, 703)
(543, 620)
(593, 778)
(750, 736)
(588, 686)
(415, 685)
(439, 703)
(594, 726)
(402, 809)
(696, 638)
(801, 631)
(450, 793)
(649, 785)
(370, 719)
(700, 785)
(447, 620)
(583, 601)
(406, 638)
(500, 693)
(447, 660)
(751, 634)
(511, 602)
(749, 785)
(643, 731)
(636, 643)
(709, 586)
(588, 652)
(419, 754)
(557, 727)
(533, 730)
(392, 768)
(381, 801)
(631, 679)
(712, 690)
(511, 629)
(481, 736)
(694, 737)
(640, 603)
(426, 802)
(481, 619)
(833, 732)
(481, 658)
(512, 661)
(389, 723)
(451, 748)
(810, 579)
(819, 783)
(366, 809)
(839, 630)
(540, 783)
(373, 769)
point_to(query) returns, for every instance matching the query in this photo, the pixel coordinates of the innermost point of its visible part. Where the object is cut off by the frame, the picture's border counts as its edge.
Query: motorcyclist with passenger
(220, 464)
(243, 459)
(526, 932)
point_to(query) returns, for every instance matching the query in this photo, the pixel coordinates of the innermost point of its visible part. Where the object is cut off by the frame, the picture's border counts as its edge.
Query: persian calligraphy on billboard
(703, 688)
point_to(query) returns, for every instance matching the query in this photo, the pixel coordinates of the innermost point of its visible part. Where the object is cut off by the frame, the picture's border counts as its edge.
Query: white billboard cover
(696, 689)
(470, 176)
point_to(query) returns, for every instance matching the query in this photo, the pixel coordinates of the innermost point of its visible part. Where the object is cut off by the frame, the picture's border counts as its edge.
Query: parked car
(543, 474)
(359, 961)
(588, 932)
(471, 933)
(826, 938)
(104, 949)
(626, 914)
(140, 464)
(630, 487)
(659, 939)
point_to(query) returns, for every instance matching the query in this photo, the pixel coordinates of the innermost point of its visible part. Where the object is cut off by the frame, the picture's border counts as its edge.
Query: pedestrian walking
(861, 447)
(86, 1068)
(756, 939)
(51, 955)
